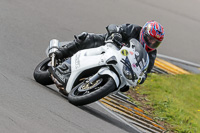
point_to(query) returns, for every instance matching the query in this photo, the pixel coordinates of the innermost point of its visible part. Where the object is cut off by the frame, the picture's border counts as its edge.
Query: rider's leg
(82, 41)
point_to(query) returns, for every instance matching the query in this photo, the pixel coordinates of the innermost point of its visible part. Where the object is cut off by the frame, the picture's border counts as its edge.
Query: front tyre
(85, 93)
(41, 73)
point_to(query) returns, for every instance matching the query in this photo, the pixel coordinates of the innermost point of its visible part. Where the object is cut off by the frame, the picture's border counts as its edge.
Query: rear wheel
(85, 93)
(41, 73)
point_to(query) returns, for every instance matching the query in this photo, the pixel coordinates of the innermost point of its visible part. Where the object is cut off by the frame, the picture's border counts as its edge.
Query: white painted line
(178, 60)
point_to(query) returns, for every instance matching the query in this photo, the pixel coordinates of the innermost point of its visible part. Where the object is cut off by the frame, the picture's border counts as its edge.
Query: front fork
(53, 47)
(105, 71)
(53, 60)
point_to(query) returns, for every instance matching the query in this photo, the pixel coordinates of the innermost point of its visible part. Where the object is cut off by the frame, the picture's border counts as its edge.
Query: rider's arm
(127, 31)
(114, 32)
(82, 41)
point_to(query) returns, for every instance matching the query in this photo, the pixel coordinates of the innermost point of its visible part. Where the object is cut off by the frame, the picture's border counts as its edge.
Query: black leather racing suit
(88, 40)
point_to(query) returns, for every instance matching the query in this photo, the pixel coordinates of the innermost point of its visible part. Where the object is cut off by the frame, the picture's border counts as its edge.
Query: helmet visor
(150, 41)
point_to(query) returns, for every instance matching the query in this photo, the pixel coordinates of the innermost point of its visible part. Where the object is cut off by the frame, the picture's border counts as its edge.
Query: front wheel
(85, 93)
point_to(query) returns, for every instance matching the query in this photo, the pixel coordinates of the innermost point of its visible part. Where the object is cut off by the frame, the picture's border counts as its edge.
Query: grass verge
(171, 100)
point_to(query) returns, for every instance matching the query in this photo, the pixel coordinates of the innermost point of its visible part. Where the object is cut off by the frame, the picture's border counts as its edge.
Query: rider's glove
(114, 32)
(116, 37)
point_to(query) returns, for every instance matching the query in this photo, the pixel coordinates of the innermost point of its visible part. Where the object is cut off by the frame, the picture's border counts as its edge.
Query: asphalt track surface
(27, 26)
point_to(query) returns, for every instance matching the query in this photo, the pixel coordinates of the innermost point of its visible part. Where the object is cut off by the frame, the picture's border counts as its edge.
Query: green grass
(175, 100)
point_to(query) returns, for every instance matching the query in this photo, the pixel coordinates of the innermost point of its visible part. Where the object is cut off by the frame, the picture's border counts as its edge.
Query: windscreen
(141, 55)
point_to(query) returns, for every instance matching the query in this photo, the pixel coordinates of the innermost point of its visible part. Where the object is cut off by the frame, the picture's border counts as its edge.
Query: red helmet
(151, 35)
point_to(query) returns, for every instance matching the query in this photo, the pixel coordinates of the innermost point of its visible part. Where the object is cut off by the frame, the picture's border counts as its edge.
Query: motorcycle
(97, 72)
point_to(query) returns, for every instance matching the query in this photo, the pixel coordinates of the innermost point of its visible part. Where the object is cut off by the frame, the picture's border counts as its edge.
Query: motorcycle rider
(150, 36)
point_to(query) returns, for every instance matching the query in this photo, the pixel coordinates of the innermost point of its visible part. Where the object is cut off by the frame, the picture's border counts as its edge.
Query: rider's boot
(72, 47)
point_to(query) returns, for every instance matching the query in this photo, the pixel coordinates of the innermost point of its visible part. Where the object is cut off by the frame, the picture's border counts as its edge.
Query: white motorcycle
(97, 72)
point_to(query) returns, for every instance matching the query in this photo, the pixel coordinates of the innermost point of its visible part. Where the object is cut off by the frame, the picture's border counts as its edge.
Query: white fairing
(94, 57)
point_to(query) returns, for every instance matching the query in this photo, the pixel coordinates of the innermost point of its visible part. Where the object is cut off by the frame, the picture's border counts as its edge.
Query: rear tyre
(85, 93)
(41, 73)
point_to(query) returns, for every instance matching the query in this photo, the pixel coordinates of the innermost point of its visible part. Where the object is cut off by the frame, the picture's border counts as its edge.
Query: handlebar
(118, 43)
(115, 42)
